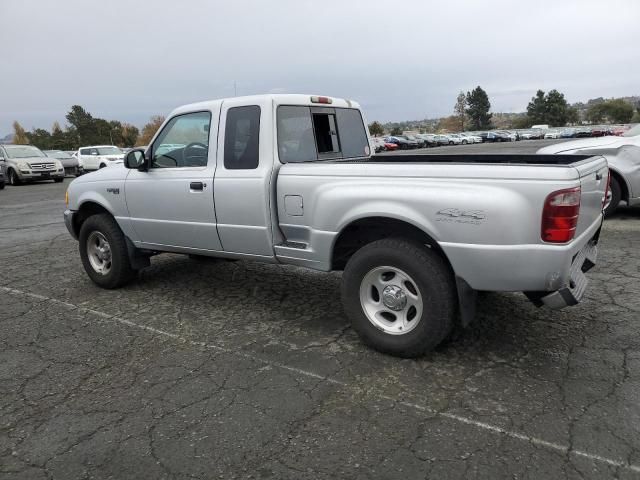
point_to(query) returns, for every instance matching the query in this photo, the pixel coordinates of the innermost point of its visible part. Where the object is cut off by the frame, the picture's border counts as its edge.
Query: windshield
(23, 151)
(632, 132)
(109, 151)
(57, 154)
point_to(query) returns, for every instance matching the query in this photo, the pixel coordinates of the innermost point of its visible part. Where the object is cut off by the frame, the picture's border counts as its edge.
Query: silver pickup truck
(289, 179)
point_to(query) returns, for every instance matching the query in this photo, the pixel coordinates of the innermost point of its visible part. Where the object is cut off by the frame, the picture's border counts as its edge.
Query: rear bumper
(518, 268)
(573, 293)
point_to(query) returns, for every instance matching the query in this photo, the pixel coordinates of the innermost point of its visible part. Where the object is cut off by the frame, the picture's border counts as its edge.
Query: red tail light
(560, 215)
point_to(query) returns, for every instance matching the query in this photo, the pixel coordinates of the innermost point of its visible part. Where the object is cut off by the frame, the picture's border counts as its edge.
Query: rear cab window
(307, 134)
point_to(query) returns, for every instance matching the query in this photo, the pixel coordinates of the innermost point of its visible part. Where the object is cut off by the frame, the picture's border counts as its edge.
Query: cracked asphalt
(240, 370)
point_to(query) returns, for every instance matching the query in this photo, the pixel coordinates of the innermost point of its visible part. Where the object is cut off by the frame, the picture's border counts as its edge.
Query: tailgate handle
(598, 176)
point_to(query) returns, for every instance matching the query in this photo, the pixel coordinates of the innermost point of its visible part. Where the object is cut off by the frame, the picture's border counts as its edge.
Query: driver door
(171, 204)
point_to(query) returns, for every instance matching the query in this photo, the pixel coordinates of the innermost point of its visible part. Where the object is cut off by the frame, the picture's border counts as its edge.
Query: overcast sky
(128, 59)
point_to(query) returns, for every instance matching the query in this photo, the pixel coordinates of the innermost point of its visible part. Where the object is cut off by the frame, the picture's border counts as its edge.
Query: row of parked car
(424, 140)
(26, 163)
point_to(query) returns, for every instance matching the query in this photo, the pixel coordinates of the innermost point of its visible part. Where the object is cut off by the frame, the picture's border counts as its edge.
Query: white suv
(99, 156)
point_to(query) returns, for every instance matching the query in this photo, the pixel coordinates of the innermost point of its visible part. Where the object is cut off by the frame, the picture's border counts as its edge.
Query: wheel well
(624, 191)
(366, 230)
(86, 210)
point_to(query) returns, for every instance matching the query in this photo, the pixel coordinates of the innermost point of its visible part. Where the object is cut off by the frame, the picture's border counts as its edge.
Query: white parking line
(564, 449)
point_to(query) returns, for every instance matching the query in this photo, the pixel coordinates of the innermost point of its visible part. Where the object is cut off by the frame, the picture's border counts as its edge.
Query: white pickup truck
(289, 179)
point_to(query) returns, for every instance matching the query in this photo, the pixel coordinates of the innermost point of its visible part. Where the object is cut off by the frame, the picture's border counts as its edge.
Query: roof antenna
(235, 90)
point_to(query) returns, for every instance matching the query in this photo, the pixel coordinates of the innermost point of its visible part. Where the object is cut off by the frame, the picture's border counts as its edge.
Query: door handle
(196, 186)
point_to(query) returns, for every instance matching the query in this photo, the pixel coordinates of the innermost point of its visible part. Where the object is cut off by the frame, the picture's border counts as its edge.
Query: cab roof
(275, 98)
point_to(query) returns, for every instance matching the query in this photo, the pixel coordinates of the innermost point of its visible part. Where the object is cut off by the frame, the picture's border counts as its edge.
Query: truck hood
(588, 143)
(118, 172)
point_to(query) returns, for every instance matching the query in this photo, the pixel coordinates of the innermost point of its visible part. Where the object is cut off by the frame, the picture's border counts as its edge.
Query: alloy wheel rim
(99, 253)
(391, 300)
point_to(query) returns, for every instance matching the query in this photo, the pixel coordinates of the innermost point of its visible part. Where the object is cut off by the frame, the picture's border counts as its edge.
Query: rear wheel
(103, 251)
(1, 185)
(102, 165)
(400, 297)
(616, 196)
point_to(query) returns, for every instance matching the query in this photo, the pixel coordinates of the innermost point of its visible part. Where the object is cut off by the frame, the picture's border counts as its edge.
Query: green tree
(478, 109)
(376, 128)
(396, 131)
(573, 116)
(556, 109)
(537, 108)
(82, 123)
(19, 134)
(615, 110)
(40, 138)
(522, 122)
(459, 109)
(58, 138)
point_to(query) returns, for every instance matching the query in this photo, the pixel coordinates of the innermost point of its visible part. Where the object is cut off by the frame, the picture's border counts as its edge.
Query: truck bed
(508, 159)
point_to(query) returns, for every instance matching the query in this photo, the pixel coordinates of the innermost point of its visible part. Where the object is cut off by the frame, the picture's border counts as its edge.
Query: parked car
(619, 131)
(413, 249)
(390, 147)
(26, 163)
(622, 154)
(470, 138)
(413, 142)
(554, 134)
(537, 134)
(429, 139)
(3, 175)
(70, 164)
(378, 144)
(583, 132)
(441, 140)
(568, 133)
(100, 156)
(599, 131)
(420, 142)
(402, 142)
(497, 136)
(456, 139)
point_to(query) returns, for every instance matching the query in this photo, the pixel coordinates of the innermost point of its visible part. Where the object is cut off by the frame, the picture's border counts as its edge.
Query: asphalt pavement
(222, 369)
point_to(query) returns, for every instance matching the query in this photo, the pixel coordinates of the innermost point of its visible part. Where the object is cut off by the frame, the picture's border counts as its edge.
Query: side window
(311, 133)
(296, 142)
(85, 151)
(183, 142)
(242, 138)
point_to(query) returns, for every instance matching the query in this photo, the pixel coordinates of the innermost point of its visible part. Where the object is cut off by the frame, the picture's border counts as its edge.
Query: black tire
(58, 180)
(13, 178)
(120, 272)
(102, 165)
(1, 185)
(434, 281)
(616, 196)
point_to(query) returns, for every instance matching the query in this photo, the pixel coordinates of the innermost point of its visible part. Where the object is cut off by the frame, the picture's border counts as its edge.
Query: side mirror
(136, 159)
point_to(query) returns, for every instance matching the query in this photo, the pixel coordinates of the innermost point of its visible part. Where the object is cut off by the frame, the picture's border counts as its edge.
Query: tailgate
(594, 172)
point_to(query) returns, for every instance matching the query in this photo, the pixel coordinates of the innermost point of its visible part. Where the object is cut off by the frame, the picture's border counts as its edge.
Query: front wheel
(616, 196)
(13, 178)
(103, 251)
(400, 297)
